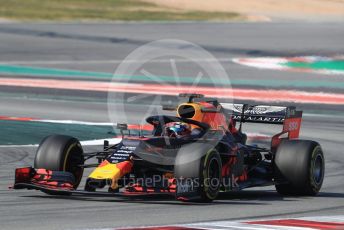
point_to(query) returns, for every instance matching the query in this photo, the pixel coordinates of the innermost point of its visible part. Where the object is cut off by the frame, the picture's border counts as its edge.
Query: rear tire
(61, 153)
(299, 168)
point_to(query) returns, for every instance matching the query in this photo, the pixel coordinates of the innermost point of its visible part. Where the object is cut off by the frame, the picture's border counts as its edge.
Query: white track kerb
(300, 223)
(280, 63)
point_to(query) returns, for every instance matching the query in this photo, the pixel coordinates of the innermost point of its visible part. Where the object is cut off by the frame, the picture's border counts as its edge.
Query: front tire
(211, 166)
(299, 168)
(201, 163)
(61, 153)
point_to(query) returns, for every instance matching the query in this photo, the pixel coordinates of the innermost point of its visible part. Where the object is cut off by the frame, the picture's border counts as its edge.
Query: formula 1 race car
(192, 156)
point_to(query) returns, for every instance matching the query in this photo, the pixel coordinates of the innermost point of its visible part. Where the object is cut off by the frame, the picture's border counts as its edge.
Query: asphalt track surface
(91, 47)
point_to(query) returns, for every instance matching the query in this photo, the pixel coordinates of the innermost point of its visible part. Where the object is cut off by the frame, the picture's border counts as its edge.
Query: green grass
(322, 65)
(26, 133)
(127, 10)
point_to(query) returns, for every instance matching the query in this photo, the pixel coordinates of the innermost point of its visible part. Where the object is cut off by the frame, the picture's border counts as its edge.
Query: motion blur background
(57, 58)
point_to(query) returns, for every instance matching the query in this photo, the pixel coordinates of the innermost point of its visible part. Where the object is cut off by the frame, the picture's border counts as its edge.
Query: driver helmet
(178, 129)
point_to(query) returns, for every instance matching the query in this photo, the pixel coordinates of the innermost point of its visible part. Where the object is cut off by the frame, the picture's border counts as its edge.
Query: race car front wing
(61, 183)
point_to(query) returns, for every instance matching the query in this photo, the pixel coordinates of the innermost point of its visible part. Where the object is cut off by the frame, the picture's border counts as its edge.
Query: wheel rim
(318, 169)
(74, 158)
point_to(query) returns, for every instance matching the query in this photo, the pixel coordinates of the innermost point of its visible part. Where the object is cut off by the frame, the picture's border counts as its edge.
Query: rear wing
(260, 113)
(288, 116)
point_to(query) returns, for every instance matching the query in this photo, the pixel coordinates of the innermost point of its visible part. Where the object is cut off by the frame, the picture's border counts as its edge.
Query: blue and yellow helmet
(178, 129)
